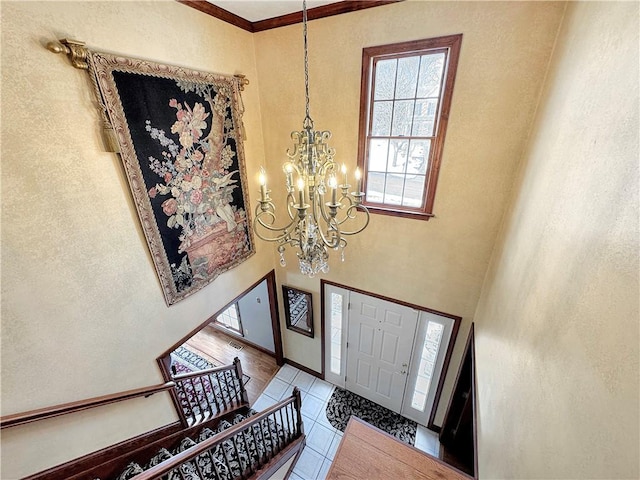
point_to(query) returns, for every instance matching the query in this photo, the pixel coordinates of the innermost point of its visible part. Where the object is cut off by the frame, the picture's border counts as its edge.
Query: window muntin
(406, 95)
(230, 319)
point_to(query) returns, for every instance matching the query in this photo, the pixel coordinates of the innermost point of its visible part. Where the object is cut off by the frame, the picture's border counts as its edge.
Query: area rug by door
(343, 404)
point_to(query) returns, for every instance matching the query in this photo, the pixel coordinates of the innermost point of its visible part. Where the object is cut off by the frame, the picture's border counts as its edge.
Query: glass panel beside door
(429, 350)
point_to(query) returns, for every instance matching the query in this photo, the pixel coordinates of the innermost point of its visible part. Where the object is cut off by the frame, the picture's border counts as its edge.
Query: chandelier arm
(295, 136)
(291, 207)
(368, 217)
(347, 216)
(286, 230)
(337, 238)
(330, 224)
(323, 211)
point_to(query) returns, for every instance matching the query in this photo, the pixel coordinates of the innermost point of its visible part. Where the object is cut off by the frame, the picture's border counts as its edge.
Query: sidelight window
(428, 359)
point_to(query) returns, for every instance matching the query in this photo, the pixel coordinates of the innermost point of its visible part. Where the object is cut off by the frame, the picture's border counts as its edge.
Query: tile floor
(322, 437)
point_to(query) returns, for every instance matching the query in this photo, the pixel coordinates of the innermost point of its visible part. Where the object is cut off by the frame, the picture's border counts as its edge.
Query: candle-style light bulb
(301, 191)
(288, 170)
(344, 172)
(358, 180)
(333, 184)
(263, 185)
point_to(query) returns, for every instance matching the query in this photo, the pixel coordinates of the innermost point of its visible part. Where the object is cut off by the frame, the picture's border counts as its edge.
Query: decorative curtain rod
(78, 55)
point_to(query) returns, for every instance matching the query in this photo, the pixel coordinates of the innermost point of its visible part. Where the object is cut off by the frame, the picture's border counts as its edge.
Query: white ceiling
(256, 10)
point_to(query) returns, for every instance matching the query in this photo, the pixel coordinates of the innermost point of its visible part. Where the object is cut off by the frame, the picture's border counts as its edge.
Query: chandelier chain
(308, 122)
(319, 209)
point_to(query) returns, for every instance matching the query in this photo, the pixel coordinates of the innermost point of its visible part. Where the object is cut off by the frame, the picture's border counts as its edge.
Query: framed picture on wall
(298, 310)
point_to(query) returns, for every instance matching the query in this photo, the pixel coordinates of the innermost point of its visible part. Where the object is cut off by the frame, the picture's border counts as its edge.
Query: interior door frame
(164, 360)
(457, 320)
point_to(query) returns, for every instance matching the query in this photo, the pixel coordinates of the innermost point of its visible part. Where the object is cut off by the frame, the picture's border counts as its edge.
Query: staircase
(240, 449)
(219, 437)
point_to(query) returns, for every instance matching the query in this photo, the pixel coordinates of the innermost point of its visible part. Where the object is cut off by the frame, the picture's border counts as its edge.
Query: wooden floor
(214, 344)
(366, 452)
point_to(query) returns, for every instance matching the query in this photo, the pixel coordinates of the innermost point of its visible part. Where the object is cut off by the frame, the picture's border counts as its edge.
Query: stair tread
(230, 458)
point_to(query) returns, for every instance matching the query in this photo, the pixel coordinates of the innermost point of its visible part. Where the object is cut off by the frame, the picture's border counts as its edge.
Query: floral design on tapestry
(196, 183)
(179, 135)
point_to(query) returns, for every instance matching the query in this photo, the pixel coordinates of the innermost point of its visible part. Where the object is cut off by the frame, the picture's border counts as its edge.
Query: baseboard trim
(240, 339)
(303, 368)
(434, 428)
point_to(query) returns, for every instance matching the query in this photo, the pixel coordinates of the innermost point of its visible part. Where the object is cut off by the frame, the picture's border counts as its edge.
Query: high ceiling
(256, 10)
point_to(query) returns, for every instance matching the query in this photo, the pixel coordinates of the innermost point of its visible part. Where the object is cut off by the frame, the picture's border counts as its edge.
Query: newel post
(298, 404)
(243, 392)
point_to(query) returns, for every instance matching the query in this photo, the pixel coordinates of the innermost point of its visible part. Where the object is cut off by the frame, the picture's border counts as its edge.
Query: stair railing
(272, 434)
(205, 394)
(72, 407)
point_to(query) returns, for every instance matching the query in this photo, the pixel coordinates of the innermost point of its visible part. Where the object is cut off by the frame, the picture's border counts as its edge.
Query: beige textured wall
(441, 263)
(82, 311)
(557, 335)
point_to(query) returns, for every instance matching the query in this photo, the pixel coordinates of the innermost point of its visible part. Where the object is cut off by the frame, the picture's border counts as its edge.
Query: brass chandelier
(318, 213)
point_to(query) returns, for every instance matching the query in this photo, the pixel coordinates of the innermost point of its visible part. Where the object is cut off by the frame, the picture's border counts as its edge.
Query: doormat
(343, 404)
(184, 360)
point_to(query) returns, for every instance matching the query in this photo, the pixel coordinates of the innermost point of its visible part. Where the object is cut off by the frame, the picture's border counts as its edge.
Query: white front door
(379, 345)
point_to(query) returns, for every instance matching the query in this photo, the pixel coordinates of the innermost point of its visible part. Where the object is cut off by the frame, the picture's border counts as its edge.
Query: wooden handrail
(71, 407)
(200, 373)
(180, 458)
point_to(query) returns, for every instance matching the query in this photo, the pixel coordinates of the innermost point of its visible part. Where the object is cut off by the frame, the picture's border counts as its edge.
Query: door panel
(385, 383)
(380, 339)
(363, 377)
(389, 352)
(365, 340)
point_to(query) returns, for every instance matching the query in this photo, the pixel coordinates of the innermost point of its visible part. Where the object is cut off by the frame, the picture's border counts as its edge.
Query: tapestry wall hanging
(179, 133)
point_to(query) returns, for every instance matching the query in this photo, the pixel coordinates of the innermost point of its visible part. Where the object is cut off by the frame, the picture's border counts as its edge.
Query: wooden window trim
(451, 43)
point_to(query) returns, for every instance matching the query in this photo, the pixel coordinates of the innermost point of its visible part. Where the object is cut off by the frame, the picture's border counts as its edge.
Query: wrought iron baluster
(249, 456)
(214, 466)
(284, 435)
(268, 450)
(199, 470)
(259, 456)
(292, 424)
(180, 472)
(204, 406)
(213, 394)
(226, 458)
(190, 401)
(240, 465)
(221, 384)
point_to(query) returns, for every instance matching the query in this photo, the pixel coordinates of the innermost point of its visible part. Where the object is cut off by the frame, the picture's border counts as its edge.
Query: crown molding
(284, 20)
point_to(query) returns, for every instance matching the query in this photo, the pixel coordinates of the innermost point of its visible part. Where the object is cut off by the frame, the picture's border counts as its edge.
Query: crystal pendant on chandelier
(319, 210)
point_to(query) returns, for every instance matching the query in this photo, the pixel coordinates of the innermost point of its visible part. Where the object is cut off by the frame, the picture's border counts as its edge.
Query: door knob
(403, 372)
